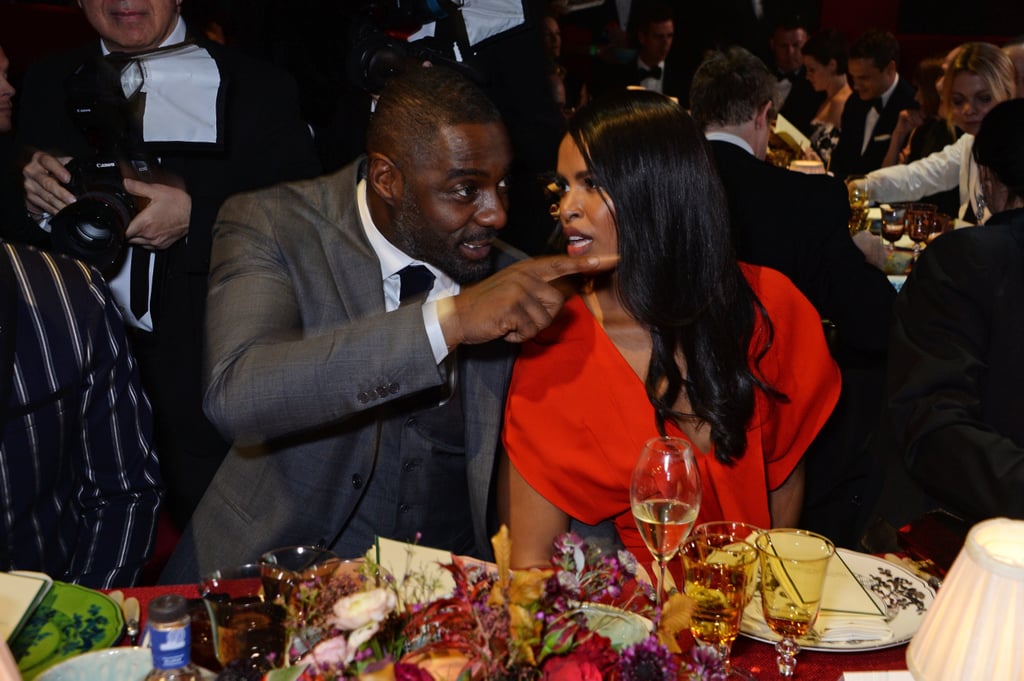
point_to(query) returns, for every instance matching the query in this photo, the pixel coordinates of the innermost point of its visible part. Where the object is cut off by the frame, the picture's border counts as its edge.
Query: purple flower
(647, 661)
(706, 664)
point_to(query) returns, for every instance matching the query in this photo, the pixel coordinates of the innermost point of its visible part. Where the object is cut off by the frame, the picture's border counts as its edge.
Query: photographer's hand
(43, 178)
(164, 220)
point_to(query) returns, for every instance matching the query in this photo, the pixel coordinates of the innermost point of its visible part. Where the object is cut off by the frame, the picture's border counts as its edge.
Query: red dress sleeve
(577, 415)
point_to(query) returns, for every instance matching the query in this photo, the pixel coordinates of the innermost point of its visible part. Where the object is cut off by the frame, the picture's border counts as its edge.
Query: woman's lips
(578, 244)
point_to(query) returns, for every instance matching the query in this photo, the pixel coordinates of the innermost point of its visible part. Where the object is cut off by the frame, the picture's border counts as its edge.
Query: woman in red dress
(679, 339)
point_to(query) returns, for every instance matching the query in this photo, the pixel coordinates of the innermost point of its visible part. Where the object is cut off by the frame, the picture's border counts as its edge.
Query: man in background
(795, 96)
(248, 134)
(79, 479)
(808, 241)
(870, 118)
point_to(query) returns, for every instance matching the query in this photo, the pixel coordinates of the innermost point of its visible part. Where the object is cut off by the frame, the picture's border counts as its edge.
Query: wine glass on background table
(793, 567)
(860, 200)
(893, 216)
(717, 570)
(919, 223)
(664, 495)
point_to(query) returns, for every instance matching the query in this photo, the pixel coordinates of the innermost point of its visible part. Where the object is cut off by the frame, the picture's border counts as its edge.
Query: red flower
(591, 660)
(410, 672)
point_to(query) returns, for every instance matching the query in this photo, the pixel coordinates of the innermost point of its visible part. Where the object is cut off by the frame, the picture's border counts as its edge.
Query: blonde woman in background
(979, 77)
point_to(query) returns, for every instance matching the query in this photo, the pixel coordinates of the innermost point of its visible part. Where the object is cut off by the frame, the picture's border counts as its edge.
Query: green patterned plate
(70, 620)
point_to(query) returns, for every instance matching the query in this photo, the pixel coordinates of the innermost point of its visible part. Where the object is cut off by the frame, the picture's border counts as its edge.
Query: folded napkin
(842, 627)
(848, 612)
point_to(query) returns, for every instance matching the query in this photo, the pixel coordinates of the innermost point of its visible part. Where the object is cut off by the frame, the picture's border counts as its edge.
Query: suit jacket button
(393, 388)
(357, 481)
(382, 391)
(363, 397)
(403, 508)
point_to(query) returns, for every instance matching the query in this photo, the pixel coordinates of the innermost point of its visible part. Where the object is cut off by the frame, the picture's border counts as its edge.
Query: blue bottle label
(170, 647)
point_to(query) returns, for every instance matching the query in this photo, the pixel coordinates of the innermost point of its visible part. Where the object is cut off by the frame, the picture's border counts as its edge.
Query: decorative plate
(71, 620)
(904, 596)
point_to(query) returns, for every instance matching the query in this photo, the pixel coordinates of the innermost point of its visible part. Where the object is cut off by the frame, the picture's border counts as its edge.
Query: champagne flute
(793, 568)
(716, 572)
(664, 495)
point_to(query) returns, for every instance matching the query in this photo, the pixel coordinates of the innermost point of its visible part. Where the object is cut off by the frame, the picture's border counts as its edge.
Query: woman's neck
(835, 86)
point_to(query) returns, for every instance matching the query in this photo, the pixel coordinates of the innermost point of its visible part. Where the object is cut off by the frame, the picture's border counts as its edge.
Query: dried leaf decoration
(675, 616)
(502, 546)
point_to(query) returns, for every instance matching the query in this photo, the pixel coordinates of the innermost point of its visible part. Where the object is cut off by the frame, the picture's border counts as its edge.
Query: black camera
(92, 228)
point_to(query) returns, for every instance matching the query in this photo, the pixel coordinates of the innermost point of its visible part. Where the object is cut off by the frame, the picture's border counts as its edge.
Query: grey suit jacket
(302, 365)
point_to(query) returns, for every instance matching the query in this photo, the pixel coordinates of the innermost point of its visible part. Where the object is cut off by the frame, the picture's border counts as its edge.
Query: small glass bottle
(170, 637)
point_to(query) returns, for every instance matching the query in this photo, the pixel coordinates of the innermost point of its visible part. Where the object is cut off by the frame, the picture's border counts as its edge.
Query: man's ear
(761, 117)
(384, 178)
(890, 69)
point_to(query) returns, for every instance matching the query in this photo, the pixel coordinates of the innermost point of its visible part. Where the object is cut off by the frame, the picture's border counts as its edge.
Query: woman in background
(679, 339)
(979, 77)
(825, 61)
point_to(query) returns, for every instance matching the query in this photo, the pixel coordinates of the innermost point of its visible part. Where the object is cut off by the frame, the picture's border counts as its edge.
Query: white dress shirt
(871, 120)
(392, 261)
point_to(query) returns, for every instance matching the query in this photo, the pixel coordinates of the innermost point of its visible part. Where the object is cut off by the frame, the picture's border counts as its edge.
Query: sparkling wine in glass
(664, 495)
(793, 567)
(860, 200)
(716, 572)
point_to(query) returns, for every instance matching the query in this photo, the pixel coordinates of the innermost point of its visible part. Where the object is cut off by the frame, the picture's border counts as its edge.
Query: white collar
(392, 259)
(720, 136)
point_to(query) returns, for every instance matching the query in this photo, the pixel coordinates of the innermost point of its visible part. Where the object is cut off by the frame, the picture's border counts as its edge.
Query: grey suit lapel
(353, 263)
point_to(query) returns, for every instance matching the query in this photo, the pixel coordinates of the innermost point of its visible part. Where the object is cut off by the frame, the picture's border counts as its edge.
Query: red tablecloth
(754, 656)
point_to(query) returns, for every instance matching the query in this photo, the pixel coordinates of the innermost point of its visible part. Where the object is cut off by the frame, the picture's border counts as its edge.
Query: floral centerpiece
(497, 623)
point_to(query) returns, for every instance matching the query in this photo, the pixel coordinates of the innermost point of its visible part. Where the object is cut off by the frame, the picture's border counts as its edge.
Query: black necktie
(138, 292)
(654, 73)
(416, 280)
(875, 104)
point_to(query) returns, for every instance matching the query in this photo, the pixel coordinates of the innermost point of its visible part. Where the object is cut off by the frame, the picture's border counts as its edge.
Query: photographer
(160, 285)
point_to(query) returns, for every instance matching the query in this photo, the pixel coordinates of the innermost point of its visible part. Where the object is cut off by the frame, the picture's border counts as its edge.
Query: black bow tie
(654, 73)
(875, 104)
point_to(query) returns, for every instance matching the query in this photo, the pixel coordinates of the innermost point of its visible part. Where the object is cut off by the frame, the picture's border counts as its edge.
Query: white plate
(112, 664)
(910, 595)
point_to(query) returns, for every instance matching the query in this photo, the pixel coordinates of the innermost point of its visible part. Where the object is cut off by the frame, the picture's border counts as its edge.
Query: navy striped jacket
(79, 479)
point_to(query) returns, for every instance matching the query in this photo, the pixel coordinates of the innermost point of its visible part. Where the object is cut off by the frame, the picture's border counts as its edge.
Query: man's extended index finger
(551, 267)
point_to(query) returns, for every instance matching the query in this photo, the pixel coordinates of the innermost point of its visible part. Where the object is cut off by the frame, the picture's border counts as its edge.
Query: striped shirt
(79, 479)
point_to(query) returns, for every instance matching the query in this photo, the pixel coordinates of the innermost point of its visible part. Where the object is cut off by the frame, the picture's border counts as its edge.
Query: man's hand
(516, 303)
(44, 177)
(165, 218)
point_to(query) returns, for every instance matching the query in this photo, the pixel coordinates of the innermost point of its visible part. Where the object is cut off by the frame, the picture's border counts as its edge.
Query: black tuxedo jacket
(802, 103)
(797, 224)
(265, 142)
(847, 158)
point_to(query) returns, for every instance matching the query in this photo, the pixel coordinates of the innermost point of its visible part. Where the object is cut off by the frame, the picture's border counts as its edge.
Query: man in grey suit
(358, 408)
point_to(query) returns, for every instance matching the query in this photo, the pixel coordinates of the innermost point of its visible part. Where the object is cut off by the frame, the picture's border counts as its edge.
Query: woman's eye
(589, 183)
(468, 191)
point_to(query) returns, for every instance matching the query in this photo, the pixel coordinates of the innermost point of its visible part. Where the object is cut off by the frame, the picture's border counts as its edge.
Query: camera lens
(92, 228)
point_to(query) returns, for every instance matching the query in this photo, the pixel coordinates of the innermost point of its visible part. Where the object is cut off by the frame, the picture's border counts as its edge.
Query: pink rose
(333, 652)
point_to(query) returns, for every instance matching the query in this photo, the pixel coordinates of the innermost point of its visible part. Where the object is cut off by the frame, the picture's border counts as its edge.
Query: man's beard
(420, 241)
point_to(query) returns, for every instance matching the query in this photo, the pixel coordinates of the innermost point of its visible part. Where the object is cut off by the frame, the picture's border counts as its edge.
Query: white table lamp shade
(975, 628)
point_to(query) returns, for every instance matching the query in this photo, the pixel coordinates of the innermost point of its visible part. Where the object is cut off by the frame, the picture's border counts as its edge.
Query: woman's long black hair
(677, 273)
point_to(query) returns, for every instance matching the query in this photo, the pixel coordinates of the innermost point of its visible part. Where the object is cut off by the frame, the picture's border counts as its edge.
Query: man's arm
(119, 488)
(297, 336)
